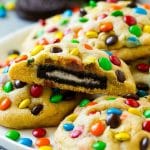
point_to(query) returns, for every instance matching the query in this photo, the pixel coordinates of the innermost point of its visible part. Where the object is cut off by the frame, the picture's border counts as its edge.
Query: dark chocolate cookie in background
(37, 9)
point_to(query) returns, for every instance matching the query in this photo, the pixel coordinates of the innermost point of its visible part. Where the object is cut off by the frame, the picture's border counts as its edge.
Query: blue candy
(115, 111)
(133, 42)
(142, 93)
(68, 126)
(5, 70)
(25, 141)
(3, 13)
(67, 13)
(108, 52)
(140, 11)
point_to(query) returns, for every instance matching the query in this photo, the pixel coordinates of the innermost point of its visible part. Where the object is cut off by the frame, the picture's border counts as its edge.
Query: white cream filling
(70, 77)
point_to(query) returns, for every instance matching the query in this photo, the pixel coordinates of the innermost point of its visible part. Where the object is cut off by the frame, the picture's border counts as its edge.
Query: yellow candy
(45, 148)
(72, 117)
(12, 56)
(37, 49)
(122, 136)
(24, 104)
(89, 60)
(10, 6)
(91, 34)
(134, 111)
(74, 51)
(59, 35)
(57, 18)
(146, 28)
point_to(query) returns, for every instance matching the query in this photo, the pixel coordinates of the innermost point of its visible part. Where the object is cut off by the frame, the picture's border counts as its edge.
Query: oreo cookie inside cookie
(37, 9)
(70, 77)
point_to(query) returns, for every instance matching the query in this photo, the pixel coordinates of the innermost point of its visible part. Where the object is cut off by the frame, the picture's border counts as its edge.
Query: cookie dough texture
(77, 67)
(97, 24)
(22, 118)
(139, 76)
(83, 119)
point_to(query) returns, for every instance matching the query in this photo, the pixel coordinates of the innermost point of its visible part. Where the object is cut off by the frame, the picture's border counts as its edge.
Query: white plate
(14, 41)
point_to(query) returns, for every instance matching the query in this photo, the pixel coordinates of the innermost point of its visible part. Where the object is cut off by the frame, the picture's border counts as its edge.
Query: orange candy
(91, 103)
(88, 47)
(42, 142)
(43, 42)
(106, 27)
(147, 6)
(20, 58)
(5, 104)
(97, 128)
(116, 7)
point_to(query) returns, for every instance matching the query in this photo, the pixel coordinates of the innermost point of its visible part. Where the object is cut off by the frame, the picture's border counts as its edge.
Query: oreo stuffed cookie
(75, 67)
(29, 106)
(106, 123)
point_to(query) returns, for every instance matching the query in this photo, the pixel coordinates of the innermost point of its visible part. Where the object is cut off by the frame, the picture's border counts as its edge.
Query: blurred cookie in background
(36, 9)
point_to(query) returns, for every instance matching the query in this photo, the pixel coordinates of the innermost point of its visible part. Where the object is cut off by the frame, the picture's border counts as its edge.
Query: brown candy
(37, 109)
(120, 76)
(144, 143)
(56, 50)
(113, 120)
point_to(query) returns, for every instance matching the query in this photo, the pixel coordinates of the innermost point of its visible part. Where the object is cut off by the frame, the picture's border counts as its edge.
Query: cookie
(141, 72)
(121, 27)
(76, 67)
(29, 106)
(48, 31)
(106, 123)
(37, 9)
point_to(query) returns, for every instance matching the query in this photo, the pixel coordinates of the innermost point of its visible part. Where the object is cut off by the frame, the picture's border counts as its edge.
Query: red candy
(42, 22)
(97, 128)
(111, 1)
(143, 67)
(146, 126)
(39, 132)
(54, 29)
(129, 20)
(132, 103)
(36, 90)
(115, 60)
(92, 103)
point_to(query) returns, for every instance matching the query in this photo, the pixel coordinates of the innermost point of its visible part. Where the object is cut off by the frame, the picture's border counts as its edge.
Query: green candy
(83, 19)
(64, 22)
(92, 3)
(136, 30)
(99, 145)
(84, 102)
(105, 63)
(8, 87)
(117, 13)
(74, 41)
(56, 98)
(111, 98)
(2, 6)
(147, 113)
(39, 33)
(13, 135)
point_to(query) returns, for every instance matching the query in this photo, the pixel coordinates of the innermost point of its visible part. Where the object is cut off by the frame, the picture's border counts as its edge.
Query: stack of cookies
(101, 51)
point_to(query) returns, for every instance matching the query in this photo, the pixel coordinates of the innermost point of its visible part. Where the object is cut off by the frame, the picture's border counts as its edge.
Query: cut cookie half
(76, 67)
(25, 106)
